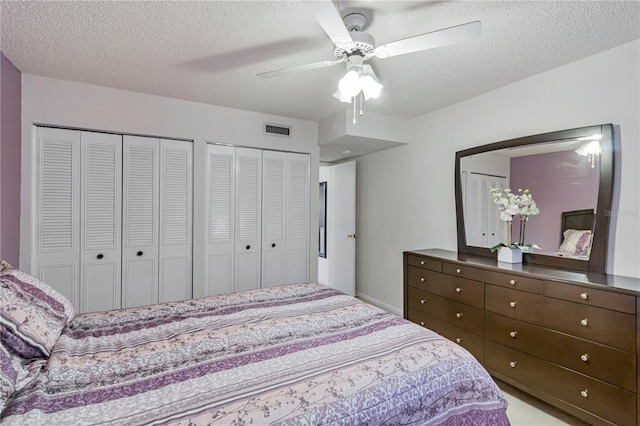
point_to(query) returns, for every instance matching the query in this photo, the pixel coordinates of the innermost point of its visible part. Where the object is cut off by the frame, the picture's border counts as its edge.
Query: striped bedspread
(293, 355)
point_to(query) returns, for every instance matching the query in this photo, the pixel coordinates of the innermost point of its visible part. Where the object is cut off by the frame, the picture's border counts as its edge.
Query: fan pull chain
(360, 104)
(354, 109)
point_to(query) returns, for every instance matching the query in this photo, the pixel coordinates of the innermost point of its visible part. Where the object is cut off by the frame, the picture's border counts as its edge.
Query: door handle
(354, 236)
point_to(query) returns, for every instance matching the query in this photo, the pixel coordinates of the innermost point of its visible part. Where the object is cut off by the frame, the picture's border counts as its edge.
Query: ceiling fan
(354, 46)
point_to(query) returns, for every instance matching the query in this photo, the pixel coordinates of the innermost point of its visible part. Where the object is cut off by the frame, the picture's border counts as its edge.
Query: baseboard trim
(380, 304)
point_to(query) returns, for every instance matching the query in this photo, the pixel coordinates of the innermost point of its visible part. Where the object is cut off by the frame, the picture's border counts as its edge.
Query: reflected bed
(298, 354)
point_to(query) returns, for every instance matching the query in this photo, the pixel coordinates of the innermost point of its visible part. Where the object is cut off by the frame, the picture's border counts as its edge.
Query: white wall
(406, 194)
(76, 105)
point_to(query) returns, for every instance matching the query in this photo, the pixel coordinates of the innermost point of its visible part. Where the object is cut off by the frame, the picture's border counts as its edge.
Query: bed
(292, 355)
(576, 233)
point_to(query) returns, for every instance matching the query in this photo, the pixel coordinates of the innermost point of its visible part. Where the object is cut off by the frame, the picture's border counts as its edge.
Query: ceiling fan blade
(331, 22)
(457, 34)
(299, 68)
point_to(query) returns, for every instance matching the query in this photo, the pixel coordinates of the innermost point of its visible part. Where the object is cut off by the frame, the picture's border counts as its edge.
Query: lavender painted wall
(10, 145)
(559, 181)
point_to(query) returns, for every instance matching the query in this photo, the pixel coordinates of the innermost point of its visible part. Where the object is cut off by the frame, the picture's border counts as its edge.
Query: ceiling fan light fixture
(349, 85)
(341, 97)
(370, 85)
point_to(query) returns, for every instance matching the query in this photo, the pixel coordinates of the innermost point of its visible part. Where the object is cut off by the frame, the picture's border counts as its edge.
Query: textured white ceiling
(211, 51)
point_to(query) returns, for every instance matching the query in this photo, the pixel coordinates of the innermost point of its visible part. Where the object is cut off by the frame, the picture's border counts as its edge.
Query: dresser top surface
(625, 284)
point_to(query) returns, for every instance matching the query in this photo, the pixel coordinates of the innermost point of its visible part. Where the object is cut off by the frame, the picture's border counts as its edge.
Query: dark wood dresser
(569, 338)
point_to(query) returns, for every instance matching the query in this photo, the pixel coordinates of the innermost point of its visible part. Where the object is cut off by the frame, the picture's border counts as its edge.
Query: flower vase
(509, 255)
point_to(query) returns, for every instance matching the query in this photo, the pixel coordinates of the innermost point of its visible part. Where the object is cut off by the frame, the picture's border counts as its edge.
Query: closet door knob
(100, 256)
(273, 244)
(248, 247)
(139, 253)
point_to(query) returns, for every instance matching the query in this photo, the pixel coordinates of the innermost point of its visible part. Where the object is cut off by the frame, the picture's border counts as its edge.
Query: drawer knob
(584, 322)
(512, 282)
(584, 357)
(512, 364)
(584, 296)
(513, 334)
(458, 340)
(458, 271)
(459, 315)
(584, 393)
(512, 304)
(422, 301)
(458, 290)
(422, 323)
(421, 279)
(422, 262)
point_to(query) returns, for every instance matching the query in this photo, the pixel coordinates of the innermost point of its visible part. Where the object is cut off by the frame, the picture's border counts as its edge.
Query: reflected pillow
(576, 243)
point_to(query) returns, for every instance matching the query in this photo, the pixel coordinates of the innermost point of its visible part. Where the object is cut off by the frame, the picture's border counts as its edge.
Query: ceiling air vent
(277, 130)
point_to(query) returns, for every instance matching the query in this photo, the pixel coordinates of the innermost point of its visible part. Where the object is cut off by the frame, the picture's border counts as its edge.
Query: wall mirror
(570, 176)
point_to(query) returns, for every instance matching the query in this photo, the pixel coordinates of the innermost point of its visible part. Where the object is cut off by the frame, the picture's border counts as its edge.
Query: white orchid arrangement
(510, 205)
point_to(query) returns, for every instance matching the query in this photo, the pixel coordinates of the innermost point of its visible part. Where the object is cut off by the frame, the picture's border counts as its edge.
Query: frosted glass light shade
(349, 85)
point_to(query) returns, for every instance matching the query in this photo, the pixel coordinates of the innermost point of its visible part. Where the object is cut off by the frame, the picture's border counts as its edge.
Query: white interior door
(341, 227)
(248, 218)
(57, 252)
(100, 255)
(220, 272)
(175, 275)
(140, 221)
(273, 218)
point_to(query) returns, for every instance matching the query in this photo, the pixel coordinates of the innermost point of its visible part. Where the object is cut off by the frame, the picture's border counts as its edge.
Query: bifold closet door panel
(140, 221)
(100, 221)
(57, 224)
(176, 213)
(274, 220)
(248, 251)
(220, 271)
(297, 236)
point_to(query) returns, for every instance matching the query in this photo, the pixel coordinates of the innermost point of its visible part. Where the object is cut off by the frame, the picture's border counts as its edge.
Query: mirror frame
(598, 257)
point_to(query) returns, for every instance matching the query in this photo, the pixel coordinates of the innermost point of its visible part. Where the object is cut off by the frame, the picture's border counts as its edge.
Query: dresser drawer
(458, 289)
(591, 296)
(514, 304)
(611, 328)
(602, 362)
(461, 315)
(502, 279)
(471, 342)
(424, 262)
(609, 402)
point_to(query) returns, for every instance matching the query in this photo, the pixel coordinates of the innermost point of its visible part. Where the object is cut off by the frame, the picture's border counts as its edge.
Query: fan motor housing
(363, 44)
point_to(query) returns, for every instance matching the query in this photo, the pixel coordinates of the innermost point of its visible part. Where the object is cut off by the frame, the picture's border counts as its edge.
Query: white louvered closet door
(57, 230)
(297, 245)
(248, 219)
(220, 272)
(100, 221)
(140, 225)
(274, 199)
(175, 220)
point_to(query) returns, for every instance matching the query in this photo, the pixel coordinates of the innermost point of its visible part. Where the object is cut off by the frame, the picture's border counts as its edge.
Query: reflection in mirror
(569, 173)
(559, 177)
